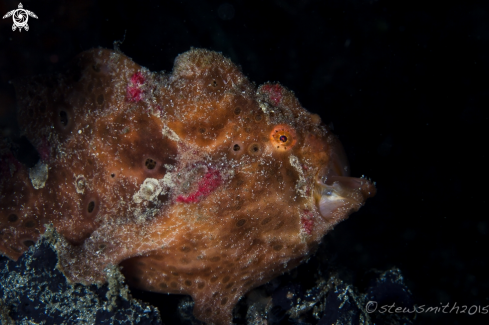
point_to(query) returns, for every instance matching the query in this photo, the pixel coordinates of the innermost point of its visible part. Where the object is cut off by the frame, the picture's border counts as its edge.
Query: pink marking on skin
(138, 78)
(274, 92)
(134, 94)
(134, 91)
(307, 222)
(211, 180)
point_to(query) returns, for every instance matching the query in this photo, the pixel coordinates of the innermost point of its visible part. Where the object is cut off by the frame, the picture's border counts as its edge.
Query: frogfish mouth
(335, 191)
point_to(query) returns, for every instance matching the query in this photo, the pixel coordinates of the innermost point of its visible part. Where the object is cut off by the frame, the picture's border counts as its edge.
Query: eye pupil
(283, 138)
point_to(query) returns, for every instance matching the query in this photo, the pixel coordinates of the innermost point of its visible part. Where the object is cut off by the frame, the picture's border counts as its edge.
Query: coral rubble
(33, 291)
(194, 182)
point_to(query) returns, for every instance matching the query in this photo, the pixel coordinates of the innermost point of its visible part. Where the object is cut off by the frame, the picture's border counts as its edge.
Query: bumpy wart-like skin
(195, 182)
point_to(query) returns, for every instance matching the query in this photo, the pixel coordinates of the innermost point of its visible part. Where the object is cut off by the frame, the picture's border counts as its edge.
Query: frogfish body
(194, 182)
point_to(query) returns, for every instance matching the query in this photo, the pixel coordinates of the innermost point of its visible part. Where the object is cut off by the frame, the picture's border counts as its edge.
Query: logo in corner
(20, 16)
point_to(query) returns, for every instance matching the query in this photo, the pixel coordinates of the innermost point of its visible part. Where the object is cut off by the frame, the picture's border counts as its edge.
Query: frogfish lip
(336, 193)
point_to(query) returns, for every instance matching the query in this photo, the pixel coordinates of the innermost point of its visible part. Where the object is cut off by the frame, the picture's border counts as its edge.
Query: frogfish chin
(195, 182)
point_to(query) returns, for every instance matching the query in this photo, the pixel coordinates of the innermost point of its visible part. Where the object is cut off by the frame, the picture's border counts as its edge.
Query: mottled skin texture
(194, 182)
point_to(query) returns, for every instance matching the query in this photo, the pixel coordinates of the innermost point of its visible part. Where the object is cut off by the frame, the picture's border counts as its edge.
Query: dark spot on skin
(150, 163)
(240, 223)
(278, 247)
(28, 243)
(200, 285)
(258, 117)
(202, 130)
(112, 175)
(254, 149)
(283, 138)
(13, 218)
(265, 221)
(230, 285)
(214, 279)
(91, 206)
(224, 301)
(163, 285)
(237, 110)
(100, 99)
(214, 83)
(226, 279)
(63, 118)
(188, 283)
(236, 147)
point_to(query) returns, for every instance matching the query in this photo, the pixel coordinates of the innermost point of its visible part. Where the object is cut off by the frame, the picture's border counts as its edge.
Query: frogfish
(194, 182)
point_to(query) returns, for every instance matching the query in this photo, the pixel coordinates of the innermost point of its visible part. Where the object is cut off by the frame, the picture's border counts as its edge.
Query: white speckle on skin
(38, 175)
(300, 186)
(150, 189)
(170, 134)
(80, 184)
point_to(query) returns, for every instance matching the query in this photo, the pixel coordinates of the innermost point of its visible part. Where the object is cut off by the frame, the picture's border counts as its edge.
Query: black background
(404, 84)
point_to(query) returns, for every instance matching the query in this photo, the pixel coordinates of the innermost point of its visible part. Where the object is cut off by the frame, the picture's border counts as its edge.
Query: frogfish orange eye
(283, 137)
